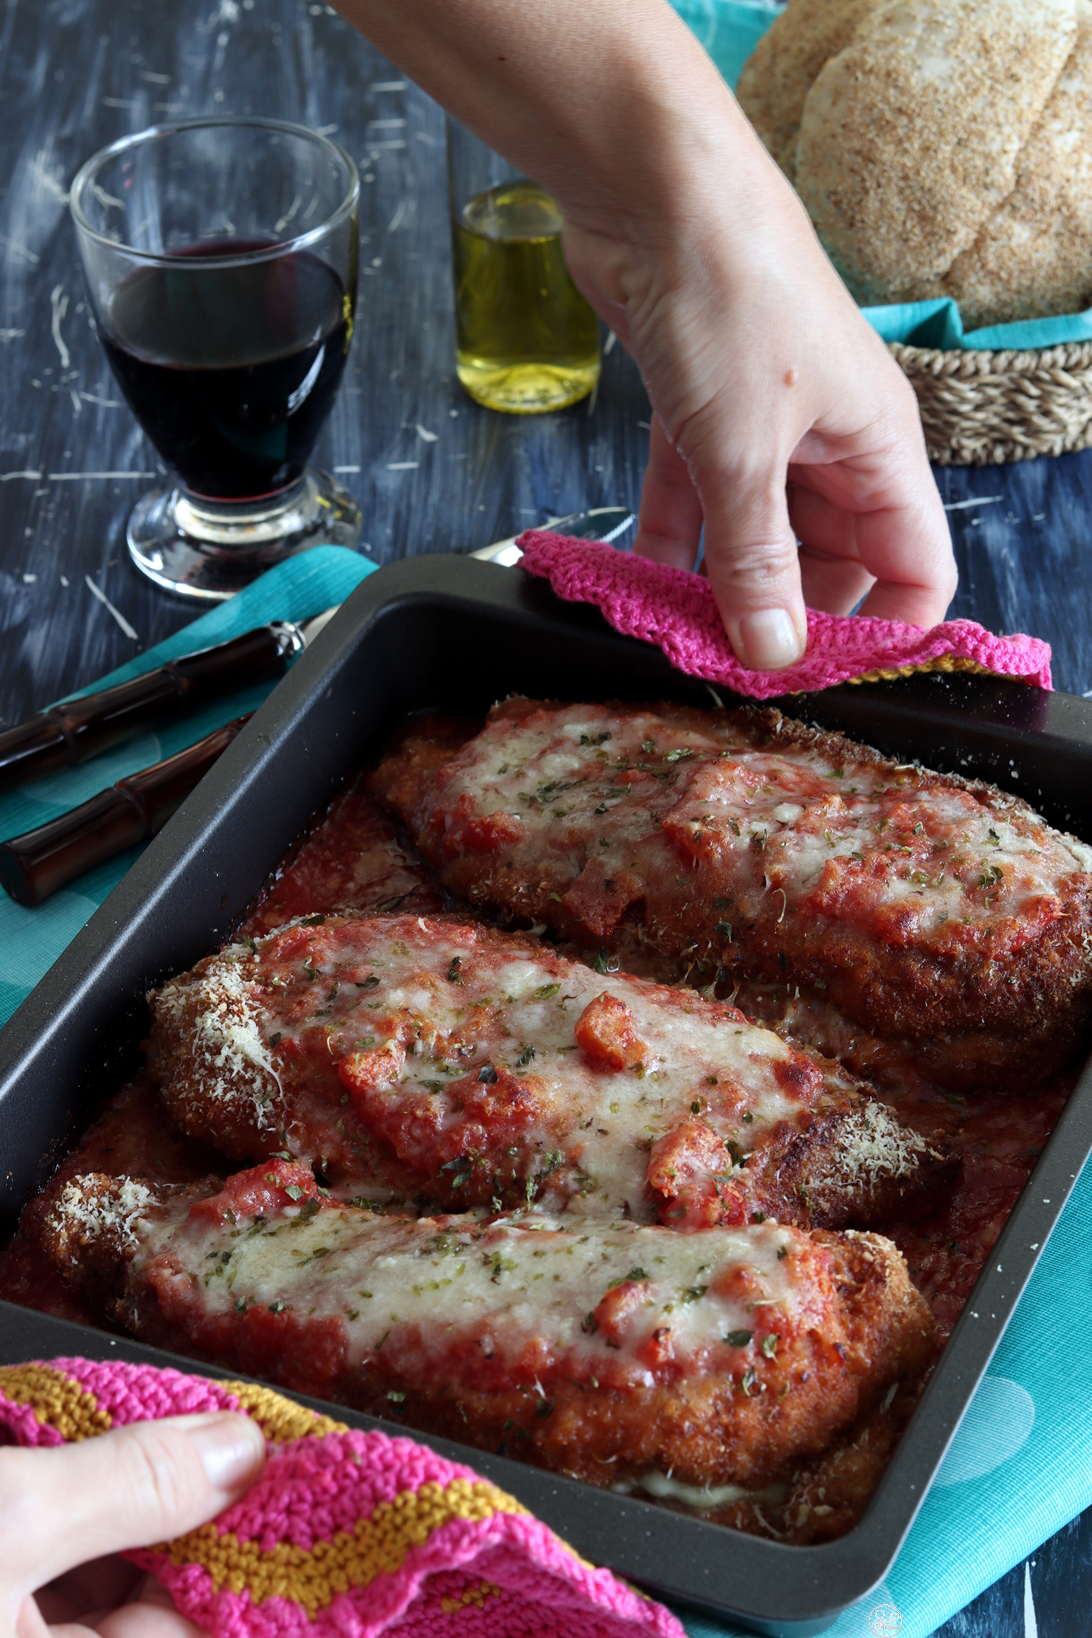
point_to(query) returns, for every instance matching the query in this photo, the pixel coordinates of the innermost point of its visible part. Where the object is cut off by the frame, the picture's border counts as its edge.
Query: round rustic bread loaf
(940, 147)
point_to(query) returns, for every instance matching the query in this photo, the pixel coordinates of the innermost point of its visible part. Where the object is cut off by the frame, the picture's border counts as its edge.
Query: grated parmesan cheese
(872, 1143)
(115, 1211)
(227, 1041)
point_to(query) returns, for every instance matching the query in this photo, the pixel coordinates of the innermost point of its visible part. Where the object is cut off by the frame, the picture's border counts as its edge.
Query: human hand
(778, 412)
(689, 242)
(66, 1512)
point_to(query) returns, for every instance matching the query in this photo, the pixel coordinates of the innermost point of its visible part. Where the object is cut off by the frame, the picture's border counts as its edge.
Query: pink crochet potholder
(676, 611)
(345, 1534)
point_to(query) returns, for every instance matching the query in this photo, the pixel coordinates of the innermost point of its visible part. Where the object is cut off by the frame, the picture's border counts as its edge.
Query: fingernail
(768, 640)
(231, 1449)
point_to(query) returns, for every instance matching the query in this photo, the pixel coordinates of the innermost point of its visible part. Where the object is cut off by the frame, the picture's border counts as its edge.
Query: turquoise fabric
(31, 940)
(939, 323)
(1021, 1464)
(729, 30)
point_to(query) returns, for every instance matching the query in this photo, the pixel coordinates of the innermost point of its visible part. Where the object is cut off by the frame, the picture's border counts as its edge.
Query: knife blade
(602, 523)
(75, 731)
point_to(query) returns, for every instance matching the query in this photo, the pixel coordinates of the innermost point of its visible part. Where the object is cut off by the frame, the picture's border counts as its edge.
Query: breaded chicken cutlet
(621, 1354)
(465, 1066)
(940, 913)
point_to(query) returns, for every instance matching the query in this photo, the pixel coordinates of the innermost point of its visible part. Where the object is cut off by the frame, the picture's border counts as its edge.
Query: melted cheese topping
(934, 854)
(430, 1013)
(590, 782)
(700, 1498)
(516, 1292)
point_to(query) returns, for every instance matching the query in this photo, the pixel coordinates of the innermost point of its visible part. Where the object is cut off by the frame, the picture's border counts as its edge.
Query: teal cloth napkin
(31, 940)
(939, 323)
(729, 30)
(1021, 1464)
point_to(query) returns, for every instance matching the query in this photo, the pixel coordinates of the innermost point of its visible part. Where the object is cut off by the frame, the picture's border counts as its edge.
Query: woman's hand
(778, 413)
(776, 407)
(65, 1512)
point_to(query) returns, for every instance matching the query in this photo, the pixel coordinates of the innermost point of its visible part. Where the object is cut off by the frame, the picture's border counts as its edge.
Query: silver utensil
(604, 523)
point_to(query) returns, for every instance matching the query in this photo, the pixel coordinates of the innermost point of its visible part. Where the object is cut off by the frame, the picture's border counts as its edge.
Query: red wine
(231, 370)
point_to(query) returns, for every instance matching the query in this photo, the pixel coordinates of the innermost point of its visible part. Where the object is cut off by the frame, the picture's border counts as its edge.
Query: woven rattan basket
(981, 408)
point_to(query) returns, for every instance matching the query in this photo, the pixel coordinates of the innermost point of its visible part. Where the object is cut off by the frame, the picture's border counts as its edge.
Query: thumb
(753, 565)
(131, 1487)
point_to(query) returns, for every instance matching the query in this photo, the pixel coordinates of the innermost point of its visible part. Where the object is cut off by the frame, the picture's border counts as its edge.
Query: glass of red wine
(221, 260)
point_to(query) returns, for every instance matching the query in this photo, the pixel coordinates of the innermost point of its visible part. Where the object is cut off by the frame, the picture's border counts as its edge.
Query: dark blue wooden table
(432, 471)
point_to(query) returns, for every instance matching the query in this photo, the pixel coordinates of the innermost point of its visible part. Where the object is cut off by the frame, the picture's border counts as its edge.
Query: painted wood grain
(75, 74)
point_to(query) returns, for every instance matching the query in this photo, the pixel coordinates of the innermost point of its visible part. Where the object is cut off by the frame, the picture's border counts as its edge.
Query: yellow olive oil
(526, 340)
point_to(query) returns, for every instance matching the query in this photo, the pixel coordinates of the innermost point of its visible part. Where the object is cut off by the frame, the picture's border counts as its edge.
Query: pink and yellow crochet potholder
(676, 611)
(345, 1534)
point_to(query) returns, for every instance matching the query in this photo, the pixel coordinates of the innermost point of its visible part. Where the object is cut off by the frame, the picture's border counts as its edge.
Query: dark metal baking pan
(450, 633)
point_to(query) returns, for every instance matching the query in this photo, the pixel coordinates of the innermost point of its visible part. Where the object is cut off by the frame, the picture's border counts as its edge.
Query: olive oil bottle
(526, 340)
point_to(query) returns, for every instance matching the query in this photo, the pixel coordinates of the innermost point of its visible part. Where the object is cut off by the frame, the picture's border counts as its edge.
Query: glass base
(209, 550)
(526, 388)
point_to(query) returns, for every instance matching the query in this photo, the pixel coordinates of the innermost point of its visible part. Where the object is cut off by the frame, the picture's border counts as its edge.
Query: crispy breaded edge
(1044, 1010)
(709, 1429)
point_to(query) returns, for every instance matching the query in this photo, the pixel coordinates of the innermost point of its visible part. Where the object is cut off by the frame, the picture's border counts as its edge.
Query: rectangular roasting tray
(455, 634)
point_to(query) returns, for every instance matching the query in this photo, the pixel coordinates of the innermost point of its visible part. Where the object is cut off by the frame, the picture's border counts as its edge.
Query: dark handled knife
(77, 730)
(36, 864)
(74, 732)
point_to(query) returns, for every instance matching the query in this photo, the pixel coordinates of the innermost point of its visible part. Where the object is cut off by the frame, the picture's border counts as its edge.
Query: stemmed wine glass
(221, 260)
